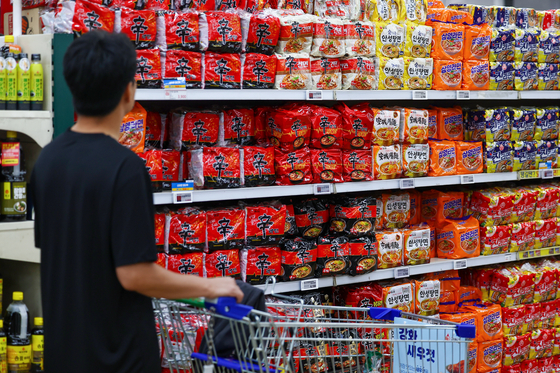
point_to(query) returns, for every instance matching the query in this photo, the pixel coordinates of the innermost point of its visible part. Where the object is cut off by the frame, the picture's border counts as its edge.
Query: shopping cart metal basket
(297, 338)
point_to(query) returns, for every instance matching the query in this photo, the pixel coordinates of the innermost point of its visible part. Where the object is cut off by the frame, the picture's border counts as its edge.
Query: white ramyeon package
(64, 17)
(326, 73)
(359, 38)
(328, 38)
(293, 72)
(296, 33)
(306, 6)
(339, 9)
(359, 73)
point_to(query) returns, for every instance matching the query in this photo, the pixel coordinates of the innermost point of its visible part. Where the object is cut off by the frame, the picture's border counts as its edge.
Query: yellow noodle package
(418, 73)
(414, 11)
(389, 38)
(386, 10)
(391, 73)
(418, 42)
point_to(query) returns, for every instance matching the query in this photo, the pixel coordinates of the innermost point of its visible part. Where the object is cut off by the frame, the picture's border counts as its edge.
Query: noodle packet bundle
(187, 231)
(547, 123)
(333, 256)
(449, 205)
(414, 126)
(386, 11)
(418, 42)
(181, 64)
(432, 123)
(359, 38)
(387, 162)
(549, 46)
(495, 239)
(546, 281)
(414, 11)
(502, 45)
(326, 127)
(133, 129)
(459, 17)
(296, 33)
(476, 75)
(477, 42)
(415, 159)
(450, 123)
(290, 127)
(448, 41)
(336, 9)
(443, 158)
(498, 124)
(469, 157)
(386, 126)
(416, 246)
(390, 40)
(511, 286)
(326, 73)
(194, 129)
(418, 73)
(183, 31)
(357, 165)
(359, 73)
(363, 255)
(492, 207)
(524, 155)
(294, 167)
(545, 233)
(327, 165)
(357, 125)
(502, 76)
(391, 73)
(547, 154)
(427, 297)
(447, 75)
(293, 72)
(526, 76)
(299, 259)
(225, 229)
(186, 264)
(548, 76)
(222, 70)
(524, 203)
(263, 34)
(353, 216)
(488, 320)
(259, 263)
(103, 18)
(312, 217)
(148, 68)
(398, 296)
(258, 166)
(523, 123)
(215, 168)
(224, 31)
(514, 320)
(265, 223)
(290, 8)
(238, 127)
(522, 236)
(328, 38)
(498, 157)
(527, 45)
(259, 71)
(127, 21)
(393, 211)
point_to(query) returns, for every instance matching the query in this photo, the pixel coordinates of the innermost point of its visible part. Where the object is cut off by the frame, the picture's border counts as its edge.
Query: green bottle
(11, 82)
(23, 80)
(36, 82)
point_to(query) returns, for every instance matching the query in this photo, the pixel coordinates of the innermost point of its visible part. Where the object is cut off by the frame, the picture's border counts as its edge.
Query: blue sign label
(182, 186)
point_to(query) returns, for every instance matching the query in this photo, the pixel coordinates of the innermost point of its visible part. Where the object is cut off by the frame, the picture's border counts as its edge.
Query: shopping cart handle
(232, 364)
(225, 306)
(466, 331)
(388, 314)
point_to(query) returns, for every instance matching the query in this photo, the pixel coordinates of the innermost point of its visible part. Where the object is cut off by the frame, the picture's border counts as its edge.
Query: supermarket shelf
(539, 95)
(36, 124)
(18, 242)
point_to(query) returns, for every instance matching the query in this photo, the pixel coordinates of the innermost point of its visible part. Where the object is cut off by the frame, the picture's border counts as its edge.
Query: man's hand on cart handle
(225, 287)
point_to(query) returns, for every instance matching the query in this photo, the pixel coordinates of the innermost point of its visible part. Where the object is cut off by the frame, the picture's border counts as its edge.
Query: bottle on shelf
(3, 81)
(18, 331)
(11, 82)
(14, 188)
(36, 86)
(23, 78)
(3, 349)
(38, 345)
(10, 46)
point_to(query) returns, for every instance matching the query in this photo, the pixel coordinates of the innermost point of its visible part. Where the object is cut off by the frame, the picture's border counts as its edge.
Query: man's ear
(128, 97)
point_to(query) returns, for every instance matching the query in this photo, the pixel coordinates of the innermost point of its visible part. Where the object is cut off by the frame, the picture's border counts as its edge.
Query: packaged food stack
(516, 139)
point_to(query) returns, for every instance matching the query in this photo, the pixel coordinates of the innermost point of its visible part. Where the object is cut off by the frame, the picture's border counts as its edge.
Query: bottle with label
(36, 85)
(19, 342)
(11, 82)
(3, 349)
(3, 82)
(38, 344)
(13, 203)
(23, 83)
(10, 46)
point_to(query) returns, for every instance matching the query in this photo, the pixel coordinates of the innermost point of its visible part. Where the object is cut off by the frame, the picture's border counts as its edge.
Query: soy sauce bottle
(3, 349)
(38, 344)
(13, 202)
(19, 333)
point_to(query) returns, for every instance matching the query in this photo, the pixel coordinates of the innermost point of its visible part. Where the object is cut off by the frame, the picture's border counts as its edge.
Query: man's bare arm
(154, 281)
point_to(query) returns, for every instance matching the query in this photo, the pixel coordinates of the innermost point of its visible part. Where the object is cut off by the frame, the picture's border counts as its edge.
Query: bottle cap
(38, 321)
(18, 295)
(12, 134)
(9, 39)
(23, 55)
(35, 57)
(10, 54)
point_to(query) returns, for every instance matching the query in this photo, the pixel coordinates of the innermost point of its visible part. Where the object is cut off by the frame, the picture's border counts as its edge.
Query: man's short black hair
(98, 66)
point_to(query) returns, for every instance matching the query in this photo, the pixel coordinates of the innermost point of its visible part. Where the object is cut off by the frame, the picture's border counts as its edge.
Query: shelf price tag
(528, 174)
(463, 95)
(556, 172)
(467, 179)
(174, 94)
(551, 251)
(524, 255)
(310, 284)
(402, 272)
(322, 189)
(419, 95)
(313, 95)
(460, 264)
(507, 258)
(406, 183)
(547, 174)
(182, 197)
(557, 250)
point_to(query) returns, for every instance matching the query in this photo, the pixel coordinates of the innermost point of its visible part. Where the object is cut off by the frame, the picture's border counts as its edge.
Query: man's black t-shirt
(93, 213)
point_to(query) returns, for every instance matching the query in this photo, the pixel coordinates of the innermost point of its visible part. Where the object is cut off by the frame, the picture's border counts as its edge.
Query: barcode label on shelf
(507, 258)
(173, 94)
(314, 95)
(528, 174)
(407, 183)
(311, 284)
(467, 179)
(460, 264)
(463, 95)
(547, 174)
(322, 189)
(402, 272)
(419, 95)
(182, 197)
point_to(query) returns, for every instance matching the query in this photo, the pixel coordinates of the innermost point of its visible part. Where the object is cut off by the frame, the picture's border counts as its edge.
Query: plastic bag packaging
(263, 33)
(259, 70)
(187, 31)
(418, 73)
(414, 11)
(418, 42)
(222, 70)
(390, 39)
(48, 21)
(138, 25)
(215, 168)
(296, 33)
(502, 75)
(103, 19)
(359, 38)
(325, 73)
(293, 72)
(359, 73)
(224, 31)
(195, 128)
(391, 73)
(184, 64)
(148, 68)
(328, 38)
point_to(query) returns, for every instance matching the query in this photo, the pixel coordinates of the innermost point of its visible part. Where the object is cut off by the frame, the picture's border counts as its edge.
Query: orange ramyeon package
(449, 205)
(489, 325)
(459, 17)
(489, 355)
(414, 207)
(447, 75)
(396, 210)
(432, 124)
(469, 157)
(427, 297)
(435, 4)
(416, 246)
(448, 301)
(449, 280)
(133, 129)
(450, 123)
(390, 249)
(468, 296)
(459, 239)
(476, 75)
(448, 41)
(472, 357)
(442, 158)
(477, 42)
(415, 126)
(467, 318)
(387, 162)
(415, 160)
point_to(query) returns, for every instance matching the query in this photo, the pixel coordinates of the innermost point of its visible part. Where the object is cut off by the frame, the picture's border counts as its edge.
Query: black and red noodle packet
(353, 216)
(299, 259)
(326, 128)
(357, 126)
(262, 262)
(187, 231)
(89, 16)
(222, 70)
(184, 64)
(258, 166)
(312, 217)
(294, 167)
(259, 71)
(215, 168)
(192, 129)
(223, 263)
(332, 256)
(148, 68)
(290, 127)
(140, 27)
(327, 165)
(225, 229)
(266, 223)
(239, 127)
(186, 264)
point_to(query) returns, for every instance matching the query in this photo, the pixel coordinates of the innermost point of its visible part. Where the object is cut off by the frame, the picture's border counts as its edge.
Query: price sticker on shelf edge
(176, 94)
(314, 95)
(524, 255)
(463, 95)
(507, 258)
(528, 174)
(467, 179)
(322, 189)
(460, 264)
(182, 197)
(419, 95)
(407, 183)
(310, 284)
(547, 174)
(551, 251)
(402, 272)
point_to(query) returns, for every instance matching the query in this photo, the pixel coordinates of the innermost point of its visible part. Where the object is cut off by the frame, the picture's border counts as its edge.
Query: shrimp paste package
(353, 216)
(215, 168)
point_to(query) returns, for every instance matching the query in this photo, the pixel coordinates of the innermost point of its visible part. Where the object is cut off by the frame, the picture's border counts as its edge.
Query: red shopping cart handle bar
(236, 365)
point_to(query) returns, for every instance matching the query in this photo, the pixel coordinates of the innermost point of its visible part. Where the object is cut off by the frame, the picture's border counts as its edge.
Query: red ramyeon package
(195, 129)
(495, 239)
(215, 168)
(290, 126)
(159, 223)
(239, 127)
(522, 236)
(186, 264)
(261, 126)
(140, 27)
(171, 163)
(258, 166)
(357, 126)
(296, 34)
(162, 260)
(492, 208)
(299, 259)
(223, 263)
(259, 71)
(224, 32)
(325, 73)
(293, 72)
(545, 233)
(230, 4)
(262, 262)
(89, 16)
(254, 6)
(360, 39)
(326, 128)
(513, 320)
(185, 161)
(328, 38)
(357, 165)
(225, 229)
(327, 165)
(222, 70)
(312, 217)
(293, 168)
(264, 31)
(187, 231)
(201, 5)
(265, 224)
(154, 123)
(148, 68)
(332, 256)
(358, 73)
(157, 4)
(153, 163)
(183, 64)
(182, 31)
(511, 287)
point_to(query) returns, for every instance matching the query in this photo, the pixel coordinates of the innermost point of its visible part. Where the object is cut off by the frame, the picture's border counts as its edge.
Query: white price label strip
(460, 264)
(182, 197)
(547, 174)
(311, 284)
(402, 272)
(467, 179)
(507, 258)
(176, 94)
(322, 189)
(313, 95)
(419, 95)
(407, 183)
(463, 95)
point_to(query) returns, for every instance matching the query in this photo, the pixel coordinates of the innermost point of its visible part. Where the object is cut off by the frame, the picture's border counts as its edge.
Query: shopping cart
(297, 338)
